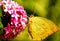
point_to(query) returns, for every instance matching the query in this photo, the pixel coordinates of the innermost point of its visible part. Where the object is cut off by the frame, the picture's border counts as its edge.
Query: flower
(18, 18)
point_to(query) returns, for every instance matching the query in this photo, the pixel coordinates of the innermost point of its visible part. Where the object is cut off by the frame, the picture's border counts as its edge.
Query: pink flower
(18, 18)
(1, 3)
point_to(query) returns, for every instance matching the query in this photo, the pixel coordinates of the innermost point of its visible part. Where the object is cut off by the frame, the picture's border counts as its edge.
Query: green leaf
(0, 12)
(1, 25)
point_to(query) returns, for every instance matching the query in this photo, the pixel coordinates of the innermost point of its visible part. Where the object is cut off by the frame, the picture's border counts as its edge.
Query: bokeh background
(49, 9)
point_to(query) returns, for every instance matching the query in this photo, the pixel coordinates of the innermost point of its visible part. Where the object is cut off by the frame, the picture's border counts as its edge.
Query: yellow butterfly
(39, 28)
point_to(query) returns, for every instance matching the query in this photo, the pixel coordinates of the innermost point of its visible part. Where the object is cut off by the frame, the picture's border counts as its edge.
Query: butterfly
(40, 28)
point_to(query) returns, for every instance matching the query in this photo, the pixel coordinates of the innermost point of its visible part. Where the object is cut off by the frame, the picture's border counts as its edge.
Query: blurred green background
(49, 9)
(44, 8)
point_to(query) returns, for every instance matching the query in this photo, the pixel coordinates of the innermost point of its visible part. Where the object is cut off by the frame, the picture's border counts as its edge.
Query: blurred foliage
(38, 7)
(44, 8)
(1, 25)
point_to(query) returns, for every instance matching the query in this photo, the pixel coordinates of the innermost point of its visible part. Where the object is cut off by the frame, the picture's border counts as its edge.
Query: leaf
(40, 28)
(0, 12)
(1, 25)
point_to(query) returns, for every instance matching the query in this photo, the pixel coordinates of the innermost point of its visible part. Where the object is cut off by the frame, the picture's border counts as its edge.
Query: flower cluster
(18, 18)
